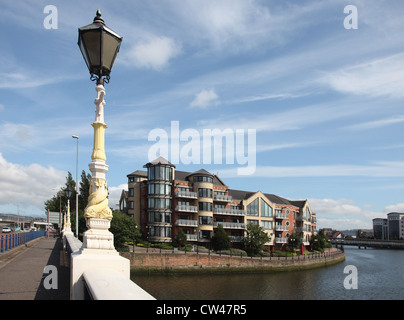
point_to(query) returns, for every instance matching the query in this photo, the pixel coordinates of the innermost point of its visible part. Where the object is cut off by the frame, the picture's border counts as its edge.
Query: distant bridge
(372, 243)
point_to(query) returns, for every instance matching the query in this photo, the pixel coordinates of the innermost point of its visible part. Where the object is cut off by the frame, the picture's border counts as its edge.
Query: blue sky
(326, 102)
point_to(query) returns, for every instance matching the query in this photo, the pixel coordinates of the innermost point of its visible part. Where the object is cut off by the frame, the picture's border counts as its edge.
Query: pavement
(22, 271)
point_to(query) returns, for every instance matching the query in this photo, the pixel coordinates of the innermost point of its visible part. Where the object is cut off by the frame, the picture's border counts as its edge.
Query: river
(380, 275)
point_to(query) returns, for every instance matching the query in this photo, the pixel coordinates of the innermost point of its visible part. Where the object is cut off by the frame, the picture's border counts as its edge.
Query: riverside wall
(191, 262)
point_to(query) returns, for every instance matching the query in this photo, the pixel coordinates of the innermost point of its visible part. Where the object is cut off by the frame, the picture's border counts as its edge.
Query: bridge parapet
(372, 243)
(100, 274)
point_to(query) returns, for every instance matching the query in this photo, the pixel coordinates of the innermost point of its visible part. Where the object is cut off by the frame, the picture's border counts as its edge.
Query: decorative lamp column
(67, 228)
(99, 46)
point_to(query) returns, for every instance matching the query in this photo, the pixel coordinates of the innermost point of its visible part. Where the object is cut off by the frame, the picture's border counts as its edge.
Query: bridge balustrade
(15, 239)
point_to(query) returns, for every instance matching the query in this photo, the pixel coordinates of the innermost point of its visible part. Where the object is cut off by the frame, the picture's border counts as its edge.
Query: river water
(380, 275)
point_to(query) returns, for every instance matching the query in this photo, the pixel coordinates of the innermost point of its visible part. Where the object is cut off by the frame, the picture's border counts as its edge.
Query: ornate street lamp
(67, 227)
(99, 46)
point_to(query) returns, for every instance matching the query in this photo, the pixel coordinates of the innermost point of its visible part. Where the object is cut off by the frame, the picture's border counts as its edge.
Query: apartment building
(391, 228)
(163, 200)
(380, 228)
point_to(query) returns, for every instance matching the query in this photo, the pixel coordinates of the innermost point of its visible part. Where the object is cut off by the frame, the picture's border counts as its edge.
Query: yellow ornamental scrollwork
(97, 206)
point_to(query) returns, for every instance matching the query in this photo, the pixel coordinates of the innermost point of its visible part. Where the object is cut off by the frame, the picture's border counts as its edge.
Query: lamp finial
(98, 17)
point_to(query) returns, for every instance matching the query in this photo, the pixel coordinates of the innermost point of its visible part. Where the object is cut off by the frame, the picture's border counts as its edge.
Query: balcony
(229, 225)
(192, 237)
(281, 240)
(302, 229)
(186, 194)
(281, 228)
(279, 215)
(237, 238)
(300, 218)
(186, 223)
(220, 197)
(231, 212)
(186, 208)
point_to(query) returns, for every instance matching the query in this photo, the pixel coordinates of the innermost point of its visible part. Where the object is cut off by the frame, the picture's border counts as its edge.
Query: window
(164, 217)
(266, 224)
(266, 210)
(205, 206)
(203, 179)
(159, 188)
(252, 208)
(204, 234)
(252, 221)
(159, 173)
(159, 203)
(307, 214)
(131, 192)
(205, 220)
(163, 232)
(204, 193)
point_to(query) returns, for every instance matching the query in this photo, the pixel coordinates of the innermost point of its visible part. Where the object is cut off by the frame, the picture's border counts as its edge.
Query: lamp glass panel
(83, 51)
(110, 45)
(92, 43)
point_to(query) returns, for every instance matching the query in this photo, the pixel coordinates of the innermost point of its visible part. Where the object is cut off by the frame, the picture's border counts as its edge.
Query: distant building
(164, 200)
(395, 225)
(391, 228)
(380, 228)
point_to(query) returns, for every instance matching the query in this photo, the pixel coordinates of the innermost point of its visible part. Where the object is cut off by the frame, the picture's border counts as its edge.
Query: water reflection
(380, 276)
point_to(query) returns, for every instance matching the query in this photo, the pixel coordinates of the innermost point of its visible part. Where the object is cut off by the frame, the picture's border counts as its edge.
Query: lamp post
(68, 224)
(77, 186)
(99, 46)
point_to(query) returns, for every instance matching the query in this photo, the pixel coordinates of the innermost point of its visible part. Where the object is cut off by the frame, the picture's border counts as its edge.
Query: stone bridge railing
(99, 274)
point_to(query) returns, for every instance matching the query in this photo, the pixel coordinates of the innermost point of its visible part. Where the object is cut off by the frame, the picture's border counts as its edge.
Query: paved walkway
(22, 271)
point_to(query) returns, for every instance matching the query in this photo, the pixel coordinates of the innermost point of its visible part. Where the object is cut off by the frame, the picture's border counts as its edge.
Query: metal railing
(185, 222)
(279, 227)
(232, 212)
(186, 208)
(12, 240)
(229, 225)
(221, 197)
(186, 194)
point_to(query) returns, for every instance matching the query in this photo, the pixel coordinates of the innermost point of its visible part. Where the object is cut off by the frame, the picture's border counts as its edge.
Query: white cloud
(376, 124)
(28, 185)
(399, 207)
(377, 169)
(342, 214)
(1, 107)
(205, 99)
(114, 194)
(381, 77)
(154, 53)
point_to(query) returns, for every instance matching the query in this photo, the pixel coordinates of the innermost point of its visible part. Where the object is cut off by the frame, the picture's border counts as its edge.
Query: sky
(316, 85)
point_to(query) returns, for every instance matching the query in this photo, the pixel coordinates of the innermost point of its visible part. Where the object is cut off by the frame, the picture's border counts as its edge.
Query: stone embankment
(191, 262)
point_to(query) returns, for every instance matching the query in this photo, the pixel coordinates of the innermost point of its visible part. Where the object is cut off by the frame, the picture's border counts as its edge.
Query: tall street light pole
(77, 187)
(99, 46)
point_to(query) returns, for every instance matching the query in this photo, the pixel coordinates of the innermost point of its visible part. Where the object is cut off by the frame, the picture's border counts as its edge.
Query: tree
(84, 190)
(220, 241)
(59, 200)
(60, 197)
(294, 241)
(124, 228)
(319, 242)
(181, 238)
(256, 238)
